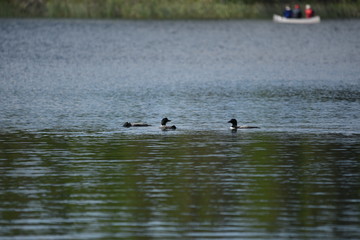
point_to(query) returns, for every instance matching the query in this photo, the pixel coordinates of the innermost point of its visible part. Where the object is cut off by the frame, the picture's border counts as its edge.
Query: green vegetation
(170, 9)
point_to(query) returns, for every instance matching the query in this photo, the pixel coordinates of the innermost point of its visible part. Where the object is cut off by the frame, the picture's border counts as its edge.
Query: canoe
(280, 19)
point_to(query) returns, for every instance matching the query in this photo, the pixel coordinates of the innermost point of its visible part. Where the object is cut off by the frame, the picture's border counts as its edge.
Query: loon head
(163, 125)
(127, 124)
(164, 121)
(233, 122)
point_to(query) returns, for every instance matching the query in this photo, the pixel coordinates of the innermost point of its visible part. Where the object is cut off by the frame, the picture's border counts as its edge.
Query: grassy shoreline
(167, 9)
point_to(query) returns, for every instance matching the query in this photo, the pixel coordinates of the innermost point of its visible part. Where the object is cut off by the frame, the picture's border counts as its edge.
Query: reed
(168, 9)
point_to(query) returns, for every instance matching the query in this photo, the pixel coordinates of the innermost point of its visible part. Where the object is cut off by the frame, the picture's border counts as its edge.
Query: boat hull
(280, 19)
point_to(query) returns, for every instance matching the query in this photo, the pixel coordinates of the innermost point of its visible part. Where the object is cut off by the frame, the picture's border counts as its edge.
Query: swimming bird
(128, 124)
(163, 125)
(234, 125)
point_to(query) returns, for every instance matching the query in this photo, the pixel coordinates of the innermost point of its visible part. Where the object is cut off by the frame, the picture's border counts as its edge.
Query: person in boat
(287, 12)
(297, 13)
(309, 12)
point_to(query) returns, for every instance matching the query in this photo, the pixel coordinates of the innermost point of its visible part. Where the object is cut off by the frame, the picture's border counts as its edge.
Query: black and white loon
(234, 125)
(128, 124)
(163, 125)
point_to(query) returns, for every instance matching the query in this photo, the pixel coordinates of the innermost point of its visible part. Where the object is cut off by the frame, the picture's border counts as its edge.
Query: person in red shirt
(309, 12)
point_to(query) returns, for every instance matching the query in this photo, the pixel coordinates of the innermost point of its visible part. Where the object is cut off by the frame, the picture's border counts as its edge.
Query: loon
(128, 124)
(235, 126)
(163, 125)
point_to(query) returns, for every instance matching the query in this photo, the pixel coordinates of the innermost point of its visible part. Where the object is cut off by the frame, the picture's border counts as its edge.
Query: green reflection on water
(179, 185)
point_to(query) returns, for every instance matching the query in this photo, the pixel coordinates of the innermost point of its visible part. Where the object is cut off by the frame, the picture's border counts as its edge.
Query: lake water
(69, 170)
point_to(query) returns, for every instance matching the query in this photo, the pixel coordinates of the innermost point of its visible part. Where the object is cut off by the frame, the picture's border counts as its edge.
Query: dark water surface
(69, 170)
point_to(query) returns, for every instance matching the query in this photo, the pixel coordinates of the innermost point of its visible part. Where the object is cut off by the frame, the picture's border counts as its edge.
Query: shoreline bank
(165, 9)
